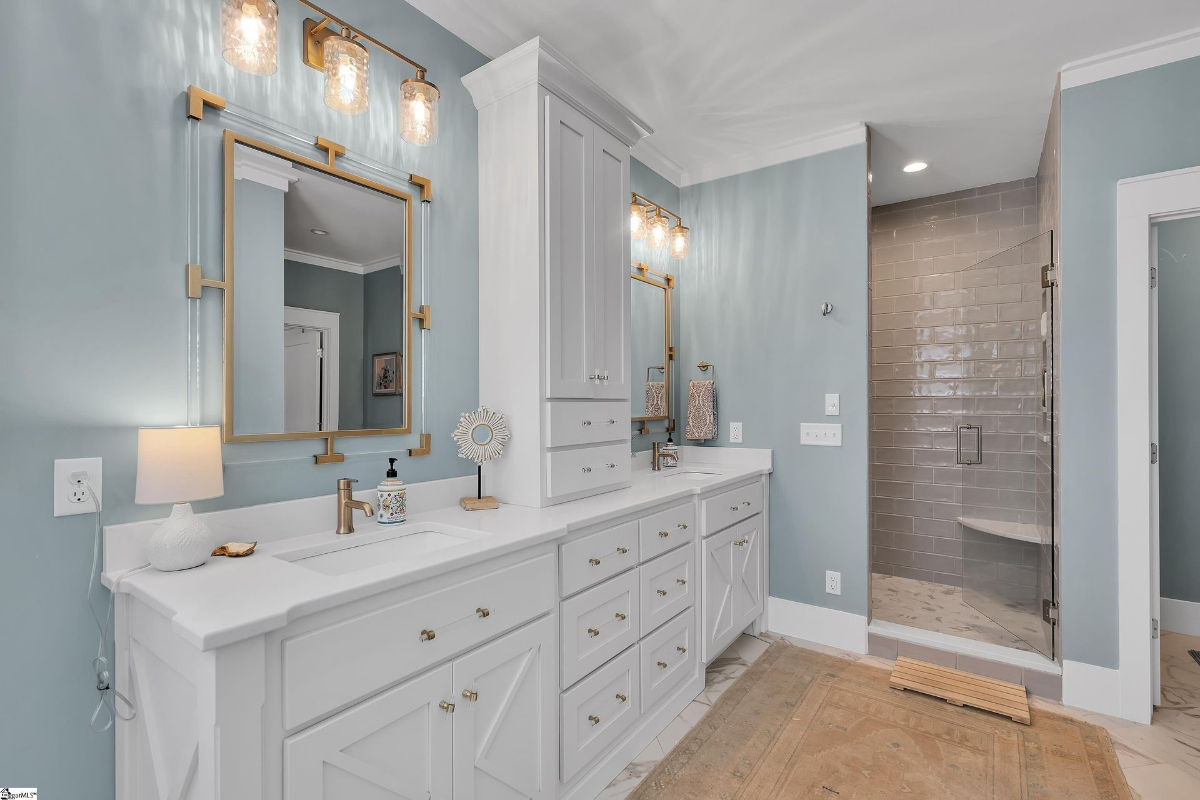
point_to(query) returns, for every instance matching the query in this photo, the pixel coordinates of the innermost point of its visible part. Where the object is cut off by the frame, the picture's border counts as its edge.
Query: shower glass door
(1004, 442)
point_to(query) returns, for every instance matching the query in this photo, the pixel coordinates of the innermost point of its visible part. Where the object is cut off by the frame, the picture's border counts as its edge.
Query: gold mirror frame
(231, 140)
(643, 272)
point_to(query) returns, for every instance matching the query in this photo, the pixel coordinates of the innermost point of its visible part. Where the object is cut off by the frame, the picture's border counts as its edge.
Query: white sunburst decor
(481, 436)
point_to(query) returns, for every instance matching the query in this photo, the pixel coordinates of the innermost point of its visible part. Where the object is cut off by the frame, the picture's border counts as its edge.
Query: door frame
(1141, 203)
(329, 323)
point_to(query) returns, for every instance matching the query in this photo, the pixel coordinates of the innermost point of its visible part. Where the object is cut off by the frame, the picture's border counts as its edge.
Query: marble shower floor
(1161, 761)
(941, 608)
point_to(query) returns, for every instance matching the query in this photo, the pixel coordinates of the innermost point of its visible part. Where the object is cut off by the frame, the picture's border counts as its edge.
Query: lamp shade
(176, 465)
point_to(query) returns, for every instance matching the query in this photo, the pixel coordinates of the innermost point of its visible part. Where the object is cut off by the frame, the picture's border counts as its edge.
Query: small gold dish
(235, 549)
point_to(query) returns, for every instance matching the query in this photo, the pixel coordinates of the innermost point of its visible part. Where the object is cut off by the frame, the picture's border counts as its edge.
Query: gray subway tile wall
(956, 306)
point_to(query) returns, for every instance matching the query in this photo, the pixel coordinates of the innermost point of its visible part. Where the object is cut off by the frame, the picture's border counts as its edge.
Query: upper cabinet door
(570, 246)
(610, 274)
(504, 723)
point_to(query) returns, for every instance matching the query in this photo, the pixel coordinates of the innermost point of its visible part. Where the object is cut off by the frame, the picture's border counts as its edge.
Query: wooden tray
(962, 688)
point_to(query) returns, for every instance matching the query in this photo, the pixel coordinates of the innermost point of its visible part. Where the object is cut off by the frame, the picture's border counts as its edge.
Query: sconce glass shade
(637, 220)
(346, 64)
(250, 35)
(679, 241)
(656, 231)
(419, 111)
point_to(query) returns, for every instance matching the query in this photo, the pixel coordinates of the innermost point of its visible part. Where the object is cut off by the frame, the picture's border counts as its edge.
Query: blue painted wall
(1178, 389)
(768, 248)
(93, 217)
(1135, 124)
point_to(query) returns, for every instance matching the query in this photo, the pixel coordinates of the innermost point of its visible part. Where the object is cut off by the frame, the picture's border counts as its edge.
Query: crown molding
(823, 142)
(254, 165)
(340, 264)
(537, 62)
(1154, 53)
(654, 158)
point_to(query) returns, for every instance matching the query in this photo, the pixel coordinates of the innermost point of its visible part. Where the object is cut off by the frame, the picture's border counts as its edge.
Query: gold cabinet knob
(467, 693)
(681, 581)
(587, 422)
(483, 612)
(593, 719)
(662, 665)
(662, 592)
(595, 562)
(681, 649)
(746, 503)
(621, 698)
(622, 550)
(683, 525)
(733, 508)
(663, 534)
(620, 615)
(741, 542)
(593, 632)
(447, 707)
(427, 635)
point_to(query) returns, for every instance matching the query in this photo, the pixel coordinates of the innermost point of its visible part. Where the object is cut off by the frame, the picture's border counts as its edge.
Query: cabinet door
(718, 585)
(570, 251)
(504, 738)
(610, 271)
(748, 571)
(394, 746)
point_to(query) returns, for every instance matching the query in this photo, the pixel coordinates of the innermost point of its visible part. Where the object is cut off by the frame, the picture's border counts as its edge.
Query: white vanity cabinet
(733, 566)
(554, 254)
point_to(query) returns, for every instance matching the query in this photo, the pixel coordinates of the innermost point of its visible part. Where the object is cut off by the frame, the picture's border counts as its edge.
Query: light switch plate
(70, 496)
(735, 433)
(821, 434)
(833, 405)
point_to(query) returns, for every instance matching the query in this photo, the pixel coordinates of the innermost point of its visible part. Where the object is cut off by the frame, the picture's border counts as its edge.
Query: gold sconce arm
(316, 31)
(649, 204)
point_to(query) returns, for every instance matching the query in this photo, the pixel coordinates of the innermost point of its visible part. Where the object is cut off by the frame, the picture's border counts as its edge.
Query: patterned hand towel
(702, 411)
(656, 398)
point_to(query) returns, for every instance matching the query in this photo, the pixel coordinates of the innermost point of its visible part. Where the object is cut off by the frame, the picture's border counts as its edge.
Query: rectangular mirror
(317, 327)
(650, 315)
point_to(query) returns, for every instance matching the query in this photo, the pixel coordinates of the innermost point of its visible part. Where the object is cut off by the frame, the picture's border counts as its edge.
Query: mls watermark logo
(18, 794)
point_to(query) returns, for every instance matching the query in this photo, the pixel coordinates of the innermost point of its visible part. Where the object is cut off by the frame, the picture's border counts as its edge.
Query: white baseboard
(1180, 616)
(1092, 688)
(817, 624)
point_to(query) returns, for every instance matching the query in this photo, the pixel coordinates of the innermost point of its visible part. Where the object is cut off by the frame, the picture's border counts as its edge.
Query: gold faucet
(346, 505)
(657, 455)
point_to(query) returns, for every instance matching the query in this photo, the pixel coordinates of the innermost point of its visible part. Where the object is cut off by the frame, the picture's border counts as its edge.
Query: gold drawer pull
(593, 632)
(447, 707)
(681, 649)
(681, 581)
(683, 525)
(427, 635)
(741, 542)
(733, 508)
(620, 615)
(621, 698)
(662, 665)
(662, 592)
(622, 550)
(467, 693)
(595, 562)
(746, 503)
(663, 534)
(593, 719)
(483, 612)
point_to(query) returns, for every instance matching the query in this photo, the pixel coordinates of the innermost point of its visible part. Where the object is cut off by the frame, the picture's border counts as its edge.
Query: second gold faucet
(346, 505)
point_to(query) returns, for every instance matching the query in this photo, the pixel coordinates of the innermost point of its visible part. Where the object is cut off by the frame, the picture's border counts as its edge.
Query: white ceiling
(962, 84)
(365, 227)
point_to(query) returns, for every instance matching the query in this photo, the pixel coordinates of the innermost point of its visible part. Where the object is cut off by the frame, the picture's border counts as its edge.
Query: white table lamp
(177, 465)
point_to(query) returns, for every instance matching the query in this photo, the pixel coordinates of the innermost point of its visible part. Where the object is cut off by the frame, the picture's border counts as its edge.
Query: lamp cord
(106, 709)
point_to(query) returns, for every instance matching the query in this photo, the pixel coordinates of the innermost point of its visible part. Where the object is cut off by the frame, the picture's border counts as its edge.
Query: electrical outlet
(821, 434)
(70, 494)
(833, 583)
(735, 433)
(833, 405)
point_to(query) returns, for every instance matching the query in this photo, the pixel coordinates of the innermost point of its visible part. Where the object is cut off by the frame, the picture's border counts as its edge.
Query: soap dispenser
(393, 503)
(672, 450)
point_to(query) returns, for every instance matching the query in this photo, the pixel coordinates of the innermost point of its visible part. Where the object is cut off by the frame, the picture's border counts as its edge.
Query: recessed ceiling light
(320, 232)
(915, 166)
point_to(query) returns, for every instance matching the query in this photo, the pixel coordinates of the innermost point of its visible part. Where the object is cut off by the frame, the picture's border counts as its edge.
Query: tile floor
(1161, 760)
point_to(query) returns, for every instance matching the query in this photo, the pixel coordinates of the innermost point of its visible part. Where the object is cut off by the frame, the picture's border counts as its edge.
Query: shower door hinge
(1154, 277)
(1153, 628)
(1153, 453)
(1049, 276)
(1049, 612)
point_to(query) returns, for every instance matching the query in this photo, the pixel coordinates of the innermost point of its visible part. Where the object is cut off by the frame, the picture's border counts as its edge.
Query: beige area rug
(800, 724)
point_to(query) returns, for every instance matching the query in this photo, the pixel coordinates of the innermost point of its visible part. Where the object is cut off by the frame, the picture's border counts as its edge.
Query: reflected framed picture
(385, 373)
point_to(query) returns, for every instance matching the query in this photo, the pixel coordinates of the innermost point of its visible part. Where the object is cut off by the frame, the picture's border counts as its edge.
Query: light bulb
(419, 111)
(657, 231)
(250, 35)
(637, 220)
(346, 72)
(679, 241)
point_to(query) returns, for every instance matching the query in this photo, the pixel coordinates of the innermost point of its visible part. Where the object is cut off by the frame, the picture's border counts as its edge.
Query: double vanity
(521, 652)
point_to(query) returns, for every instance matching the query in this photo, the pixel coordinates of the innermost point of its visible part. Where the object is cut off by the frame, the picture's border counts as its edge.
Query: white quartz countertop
(231, 599)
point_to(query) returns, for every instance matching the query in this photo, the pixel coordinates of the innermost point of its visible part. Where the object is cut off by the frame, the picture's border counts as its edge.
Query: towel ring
(661, 368)
(704, 366)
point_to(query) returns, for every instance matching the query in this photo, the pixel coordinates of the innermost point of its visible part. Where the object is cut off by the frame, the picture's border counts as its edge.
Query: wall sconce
(346, 65)
(250, 35)
(653, 227)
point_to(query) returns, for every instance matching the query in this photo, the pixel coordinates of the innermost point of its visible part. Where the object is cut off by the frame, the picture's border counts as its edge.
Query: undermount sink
(692, 475)
(376, 548)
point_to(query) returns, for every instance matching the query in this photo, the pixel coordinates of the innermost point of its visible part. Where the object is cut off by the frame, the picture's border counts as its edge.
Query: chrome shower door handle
(958, 453)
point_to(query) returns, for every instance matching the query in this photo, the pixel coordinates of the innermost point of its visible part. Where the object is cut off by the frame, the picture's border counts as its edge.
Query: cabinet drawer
(593, 558)
(668, 658)
(668, 586)
(597, 711)
(331, 666)
(666, 530)
(728, 508)
(586, 423)
(570, 471)
(598, 624)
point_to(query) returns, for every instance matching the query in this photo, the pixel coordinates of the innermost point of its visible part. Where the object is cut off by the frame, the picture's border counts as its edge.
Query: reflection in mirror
(320, 308)
(650, 313)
